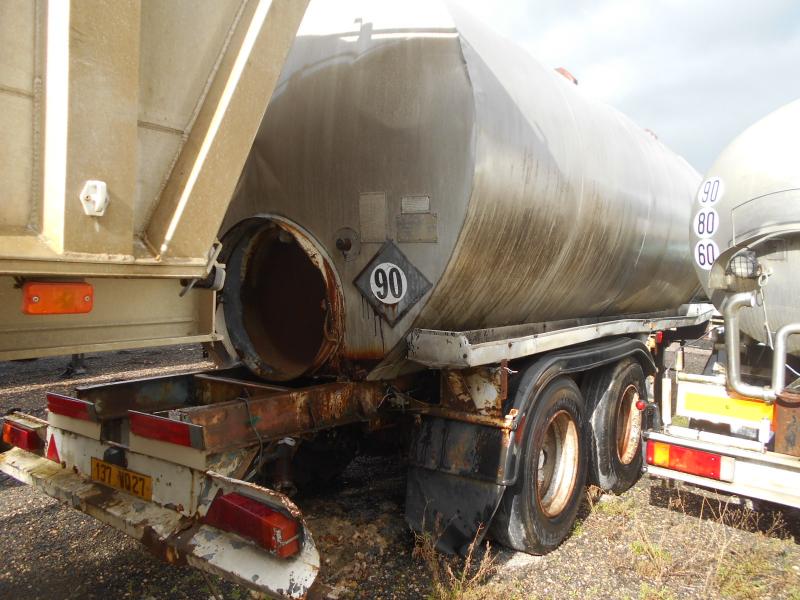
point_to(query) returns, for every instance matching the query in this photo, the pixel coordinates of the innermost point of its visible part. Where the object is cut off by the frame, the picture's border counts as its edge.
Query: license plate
(122, 479)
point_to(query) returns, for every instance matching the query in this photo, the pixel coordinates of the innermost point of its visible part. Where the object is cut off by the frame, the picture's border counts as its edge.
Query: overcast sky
(697, 73)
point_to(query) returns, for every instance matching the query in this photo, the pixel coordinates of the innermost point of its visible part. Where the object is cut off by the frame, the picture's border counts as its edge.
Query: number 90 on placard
(388, 283)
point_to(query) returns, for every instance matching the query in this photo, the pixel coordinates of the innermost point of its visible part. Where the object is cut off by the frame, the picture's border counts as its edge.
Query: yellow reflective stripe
(737, 408)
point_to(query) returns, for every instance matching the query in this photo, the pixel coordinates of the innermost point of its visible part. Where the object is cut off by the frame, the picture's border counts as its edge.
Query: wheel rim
(629, 425)
(557, 468)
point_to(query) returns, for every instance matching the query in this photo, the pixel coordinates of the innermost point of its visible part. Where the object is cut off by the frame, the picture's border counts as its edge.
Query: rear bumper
(170, 535)
(762, 475)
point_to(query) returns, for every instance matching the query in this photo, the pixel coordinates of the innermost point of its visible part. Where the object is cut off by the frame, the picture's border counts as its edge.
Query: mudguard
(459, 471)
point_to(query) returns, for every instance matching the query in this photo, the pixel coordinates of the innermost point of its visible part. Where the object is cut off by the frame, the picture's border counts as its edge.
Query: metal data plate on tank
(391, 284)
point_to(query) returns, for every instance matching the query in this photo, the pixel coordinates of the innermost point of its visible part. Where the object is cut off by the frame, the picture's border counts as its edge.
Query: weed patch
(616, 507)
(745, 574)
(451, 577)
(649, 592)
(652, 560)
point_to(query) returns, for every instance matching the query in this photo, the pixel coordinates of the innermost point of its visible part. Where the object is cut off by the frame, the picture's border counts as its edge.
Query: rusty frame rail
(276, 414)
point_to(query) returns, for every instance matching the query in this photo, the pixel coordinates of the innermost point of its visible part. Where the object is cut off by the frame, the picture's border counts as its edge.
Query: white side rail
(464, 349)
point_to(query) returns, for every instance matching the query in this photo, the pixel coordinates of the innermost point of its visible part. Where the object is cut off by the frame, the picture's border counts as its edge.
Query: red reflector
(641, 405)
(21, 437)
(685, 460)
(56, 298)
(71, 407)
(697, 462)
(659, 337)
(52, 450)
(166, 430)
(249, 518)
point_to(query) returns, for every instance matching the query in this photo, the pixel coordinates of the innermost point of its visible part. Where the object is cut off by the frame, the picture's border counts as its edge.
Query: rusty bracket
(409, 405)
(480, 390)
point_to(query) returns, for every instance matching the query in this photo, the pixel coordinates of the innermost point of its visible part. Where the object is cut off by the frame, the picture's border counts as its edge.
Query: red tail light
(21, 437)
(688, 460)
(251, 519)
(71, 407)
(166, 430)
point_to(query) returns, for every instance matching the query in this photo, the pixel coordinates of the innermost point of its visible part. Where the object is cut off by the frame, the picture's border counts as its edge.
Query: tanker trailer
(742, 436)
(433, 198)
(433, 234)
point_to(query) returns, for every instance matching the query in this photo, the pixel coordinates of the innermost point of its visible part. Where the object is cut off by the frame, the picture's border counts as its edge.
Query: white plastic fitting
(94, 198)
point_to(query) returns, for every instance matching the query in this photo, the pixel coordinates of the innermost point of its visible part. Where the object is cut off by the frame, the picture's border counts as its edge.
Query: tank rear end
(366, 148)
(745, 225)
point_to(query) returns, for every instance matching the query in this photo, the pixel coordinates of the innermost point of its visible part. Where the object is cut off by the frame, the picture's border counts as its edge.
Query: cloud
(697, 73)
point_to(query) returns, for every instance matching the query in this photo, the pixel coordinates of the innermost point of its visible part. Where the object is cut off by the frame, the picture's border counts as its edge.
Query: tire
(616, 425)
(537, 513)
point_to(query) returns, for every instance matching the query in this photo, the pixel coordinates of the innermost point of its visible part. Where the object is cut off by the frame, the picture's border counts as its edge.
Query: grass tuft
(649, 592)
(653, 561)
(745, 574)
(452, 578)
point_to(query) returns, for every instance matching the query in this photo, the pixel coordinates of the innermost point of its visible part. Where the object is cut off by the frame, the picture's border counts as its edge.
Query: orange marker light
(658, 454)
(56, 298)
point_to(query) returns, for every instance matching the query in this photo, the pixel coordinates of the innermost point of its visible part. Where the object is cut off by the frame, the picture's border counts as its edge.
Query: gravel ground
(649, 543)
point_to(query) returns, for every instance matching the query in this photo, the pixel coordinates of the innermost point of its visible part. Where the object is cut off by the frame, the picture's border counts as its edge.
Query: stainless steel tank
(747, 219)
(414, 169)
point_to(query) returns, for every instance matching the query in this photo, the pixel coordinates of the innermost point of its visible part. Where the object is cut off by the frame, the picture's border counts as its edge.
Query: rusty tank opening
(281, 300)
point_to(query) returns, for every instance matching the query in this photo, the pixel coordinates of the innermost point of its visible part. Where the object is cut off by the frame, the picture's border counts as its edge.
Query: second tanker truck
(431, 233)
(735, 427)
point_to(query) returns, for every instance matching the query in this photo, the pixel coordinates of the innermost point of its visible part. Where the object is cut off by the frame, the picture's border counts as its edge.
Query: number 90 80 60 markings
(711, 191)
(706, 222)
(705, 253)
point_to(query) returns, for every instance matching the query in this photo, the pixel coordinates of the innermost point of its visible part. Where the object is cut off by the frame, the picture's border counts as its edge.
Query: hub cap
(557, 467)
(629, 425)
